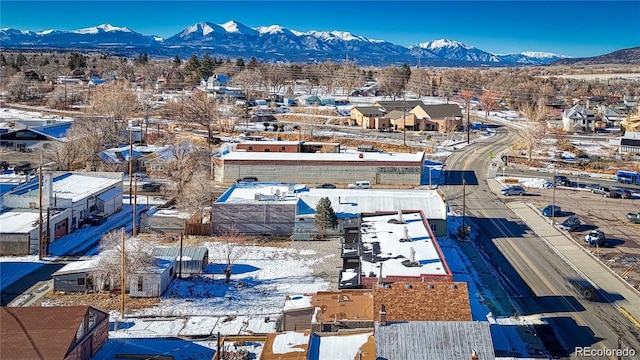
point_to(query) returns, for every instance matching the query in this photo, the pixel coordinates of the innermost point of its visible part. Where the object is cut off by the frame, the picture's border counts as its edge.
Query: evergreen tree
(405, 70)
(76, 61)
(192, 65)
(142, 59)
(177, 61)
(240, 62)
(206, 66)
(253, 63)
(325, 216)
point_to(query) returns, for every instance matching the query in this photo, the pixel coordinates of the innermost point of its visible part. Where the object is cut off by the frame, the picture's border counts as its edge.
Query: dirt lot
(621, 251)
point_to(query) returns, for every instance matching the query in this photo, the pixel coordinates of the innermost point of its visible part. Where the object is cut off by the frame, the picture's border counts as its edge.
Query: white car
(360, 185)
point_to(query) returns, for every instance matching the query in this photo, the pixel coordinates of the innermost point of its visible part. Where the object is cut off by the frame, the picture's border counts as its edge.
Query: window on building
(267, 150)
(80, 281)
(433, 227)
(283, 148)
(250, 148)
(140, 283)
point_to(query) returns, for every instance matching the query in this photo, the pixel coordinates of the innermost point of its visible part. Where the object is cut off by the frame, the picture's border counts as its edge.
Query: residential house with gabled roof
(38, 137)
(446, 117)
(578, 118)
(308, 100)
(611, 117)
(369, 117)
(57, 332)
(390, 105)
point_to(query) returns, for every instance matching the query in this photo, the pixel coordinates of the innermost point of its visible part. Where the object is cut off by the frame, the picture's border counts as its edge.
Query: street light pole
(430, 168)
(553, 206)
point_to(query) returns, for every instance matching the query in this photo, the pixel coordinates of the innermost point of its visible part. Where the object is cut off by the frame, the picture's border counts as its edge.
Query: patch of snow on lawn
(278, 272)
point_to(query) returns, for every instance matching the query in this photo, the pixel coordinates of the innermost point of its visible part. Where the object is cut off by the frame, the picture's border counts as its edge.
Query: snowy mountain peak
(101, 28)
(271, 30)
(444, 43)
(542, 55)
(201, 28)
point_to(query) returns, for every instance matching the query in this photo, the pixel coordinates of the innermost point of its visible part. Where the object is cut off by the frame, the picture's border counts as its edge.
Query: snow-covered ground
(263, 277)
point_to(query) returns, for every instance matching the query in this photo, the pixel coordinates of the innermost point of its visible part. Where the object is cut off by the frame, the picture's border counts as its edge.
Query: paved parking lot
(621, 251)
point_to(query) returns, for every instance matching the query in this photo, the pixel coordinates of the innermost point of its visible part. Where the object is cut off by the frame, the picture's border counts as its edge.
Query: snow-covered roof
(381, 235)
(350, 203)
(341, 156)
(290, 341)
(19, 222)
(341, 346)
(109, 194)
(76, 267)
(72, 186)
(261, 192)
(297, 302)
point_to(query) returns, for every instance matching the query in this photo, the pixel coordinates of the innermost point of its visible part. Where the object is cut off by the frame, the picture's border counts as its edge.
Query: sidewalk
(580, 259)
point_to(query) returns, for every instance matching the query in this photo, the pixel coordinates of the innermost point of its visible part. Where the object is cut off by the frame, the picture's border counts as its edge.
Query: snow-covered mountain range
(269, 43)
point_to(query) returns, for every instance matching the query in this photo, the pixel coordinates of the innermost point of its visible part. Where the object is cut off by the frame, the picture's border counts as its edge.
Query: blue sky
(573, 28)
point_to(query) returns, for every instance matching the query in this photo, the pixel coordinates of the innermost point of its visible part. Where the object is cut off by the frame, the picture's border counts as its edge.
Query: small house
(308, 100)
(55, 332)
(75, 276)
(192, 261)
(154, 280)
(579, 119)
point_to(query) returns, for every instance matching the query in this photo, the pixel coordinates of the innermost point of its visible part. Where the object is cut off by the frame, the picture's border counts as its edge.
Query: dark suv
(618, 193)
(248, 179)
(561, 180)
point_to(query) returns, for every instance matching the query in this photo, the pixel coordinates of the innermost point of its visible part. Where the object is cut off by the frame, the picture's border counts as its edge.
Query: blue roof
(33, 184)
(57, 131)
(109, 194)
(304, 208)
(5, 188)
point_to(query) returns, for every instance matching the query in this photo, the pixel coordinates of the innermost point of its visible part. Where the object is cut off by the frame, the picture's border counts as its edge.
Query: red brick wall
(98, 337)
(369, 282)
(291, 148)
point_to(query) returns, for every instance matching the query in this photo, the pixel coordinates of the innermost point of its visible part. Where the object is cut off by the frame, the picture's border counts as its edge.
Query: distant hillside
(629, 56)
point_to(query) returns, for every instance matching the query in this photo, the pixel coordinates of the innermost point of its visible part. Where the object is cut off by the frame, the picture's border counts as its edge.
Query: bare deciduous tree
(186, 161)
(348, 77)
(198, 194)
(533, 129)
(114, 99)
(109, 268)
(391, 81)
(489, 101)
(202, 109)
(228, 251)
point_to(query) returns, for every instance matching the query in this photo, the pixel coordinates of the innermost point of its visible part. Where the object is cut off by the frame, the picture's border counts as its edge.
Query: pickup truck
(360, 185)
(634, 217)
(601, 190)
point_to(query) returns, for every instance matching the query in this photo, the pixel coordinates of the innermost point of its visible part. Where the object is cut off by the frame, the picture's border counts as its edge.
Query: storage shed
(75, 276)
(153, 281)
(110, 201)
(192, 261)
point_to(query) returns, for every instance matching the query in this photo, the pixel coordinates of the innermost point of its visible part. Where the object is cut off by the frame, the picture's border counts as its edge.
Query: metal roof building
(192, 261)
(434, 340)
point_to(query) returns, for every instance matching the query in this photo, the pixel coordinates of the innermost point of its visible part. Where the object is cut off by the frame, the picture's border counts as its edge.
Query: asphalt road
(533, 277)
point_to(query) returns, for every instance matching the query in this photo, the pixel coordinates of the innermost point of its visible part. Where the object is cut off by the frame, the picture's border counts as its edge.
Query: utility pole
(130, 164)
(40, 237)
(122, 278)
(553, 206)
(468, 121)
(404, 118)
(135, 205)
(464, 205)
